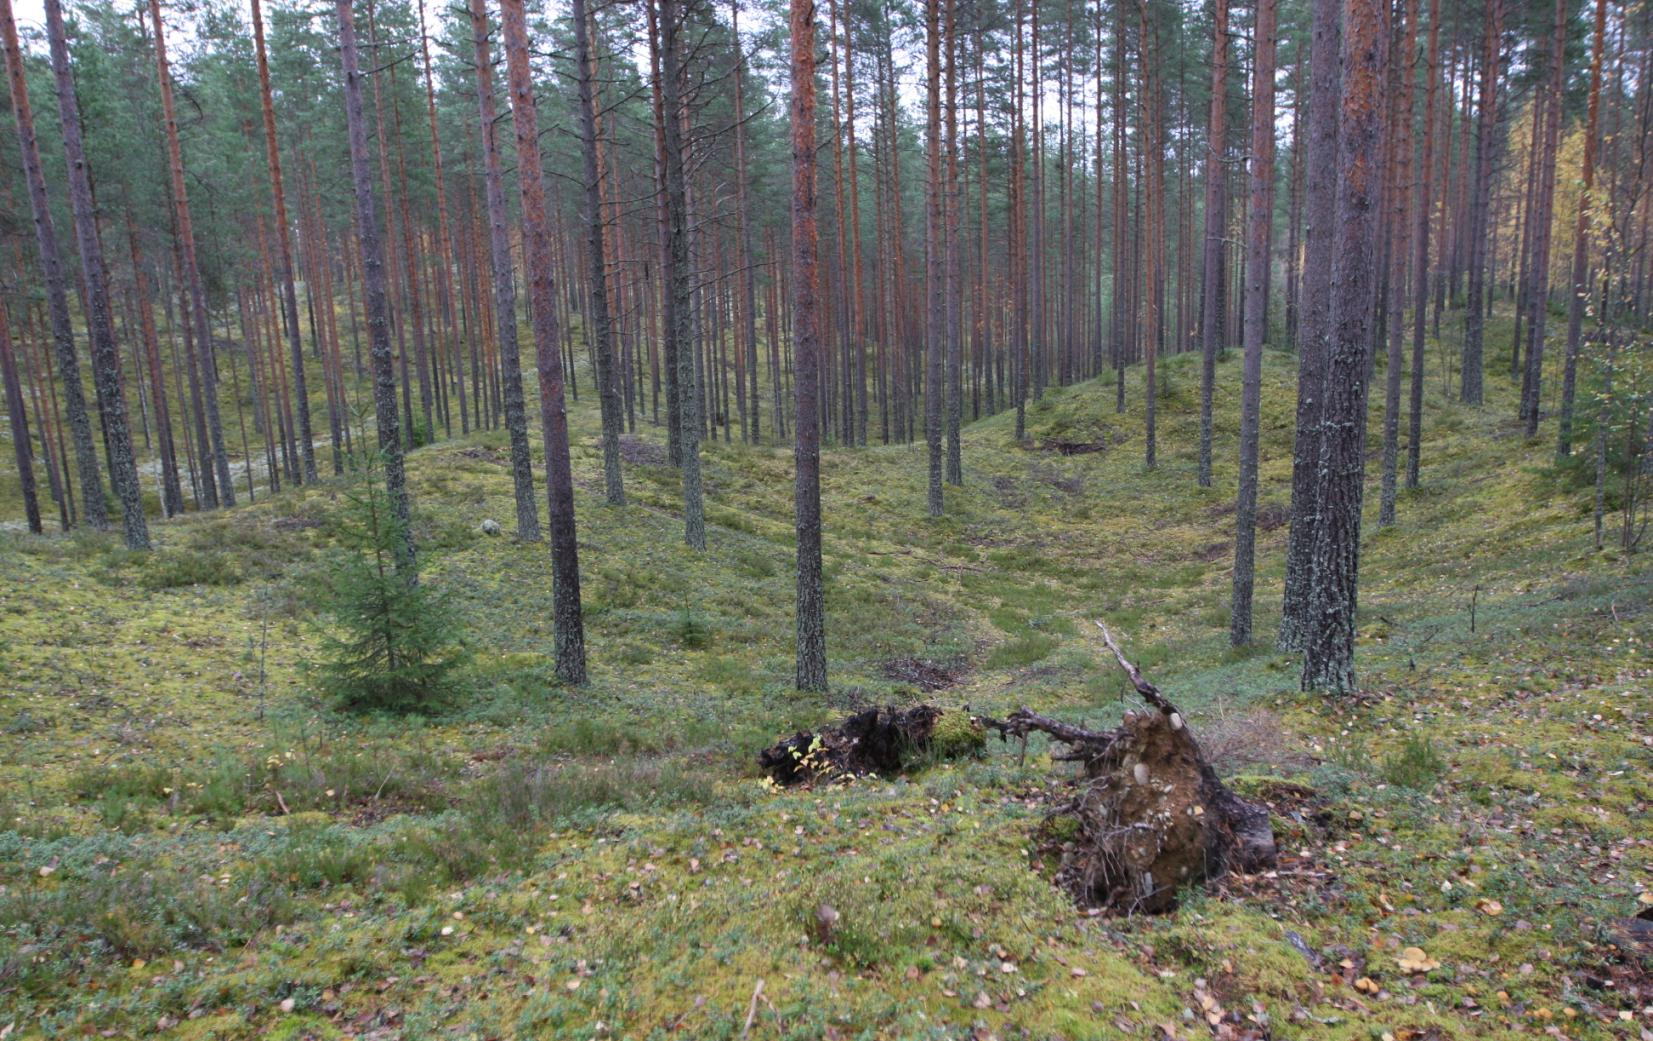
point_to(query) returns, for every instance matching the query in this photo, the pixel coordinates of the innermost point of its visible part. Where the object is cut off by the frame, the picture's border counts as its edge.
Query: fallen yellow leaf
(1491, 908)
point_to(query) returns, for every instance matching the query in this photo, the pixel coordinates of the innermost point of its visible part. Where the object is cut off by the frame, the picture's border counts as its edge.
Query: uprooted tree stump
(1149, 817)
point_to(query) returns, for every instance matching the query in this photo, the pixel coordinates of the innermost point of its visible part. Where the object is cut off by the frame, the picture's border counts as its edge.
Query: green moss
(616, 835)
(957, 734)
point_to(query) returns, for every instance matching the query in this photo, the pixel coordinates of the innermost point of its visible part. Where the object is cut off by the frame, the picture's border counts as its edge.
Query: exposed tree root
(879, 741)
(1149, 817)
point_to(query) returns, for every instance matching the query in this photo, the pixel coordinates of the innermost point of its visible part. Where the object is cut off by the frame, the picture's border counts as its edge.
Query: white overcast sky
(31, 19)
(30, 14)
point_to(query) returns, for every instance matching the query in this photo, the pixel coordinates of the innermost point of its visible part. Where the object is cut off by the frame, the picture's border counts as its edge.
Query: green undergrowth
(196, 846)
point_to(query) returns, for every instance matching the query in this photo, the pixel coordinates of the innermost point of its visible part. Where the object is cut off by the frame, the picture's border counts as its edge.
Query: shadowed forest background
(448, 444)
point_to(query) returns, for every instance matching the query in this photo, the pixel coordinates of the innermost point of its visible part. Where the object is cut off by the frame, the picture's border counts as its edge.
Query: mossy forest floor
(195, 847)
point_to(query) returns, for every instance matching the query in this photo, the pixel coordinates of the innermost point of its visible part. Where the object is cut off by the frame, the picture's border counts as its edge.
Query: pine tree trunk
(1472, 376)
(934, 263)
(289, 295)
(537, 248)
(106, 365)
(504, 285)
(1152, 256)
(858, 325)
(172, 493)
(1018, 243)
(1400, 162)
(1526, 216)
(1420, 256)
(51, 430)
(442, 262)
(1211, 288)
(378, 307)
(216, 483)
(811, 606)
(1328, 661)
(1259, 221)
(1579, 285)
(17, 413)
(747, 260)
(1120, 240)
(608, 387)
(78, 420)
(1532, 379)
(679, 277)
(1314, 328)
(955, 347)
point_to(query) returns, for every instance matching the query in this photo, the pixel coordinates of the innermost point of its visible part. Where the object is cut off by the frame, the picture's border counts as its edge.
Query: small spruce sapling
(394, 644)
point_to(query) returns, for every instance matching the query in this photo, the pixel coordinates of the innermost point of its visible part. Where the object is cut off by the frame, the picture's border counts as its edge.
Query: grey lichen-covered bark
(106, 364)
(95, 511)
(505, 292)
(1211, 288)
(542, 303)
(608, 387)
(1325, 78)
(371, 244)
(806, 488)
(1328, 659)
(1259, 219)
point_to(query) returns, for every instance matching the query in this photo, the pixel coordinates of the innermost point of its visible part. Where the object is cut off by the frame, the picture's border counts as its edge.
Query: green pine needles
(394, 643)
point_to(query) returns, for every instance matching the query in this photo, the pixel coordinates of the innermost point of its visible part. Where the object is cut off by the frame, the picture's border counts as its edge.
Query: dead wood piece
(1025, 721)
(1633, 936)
